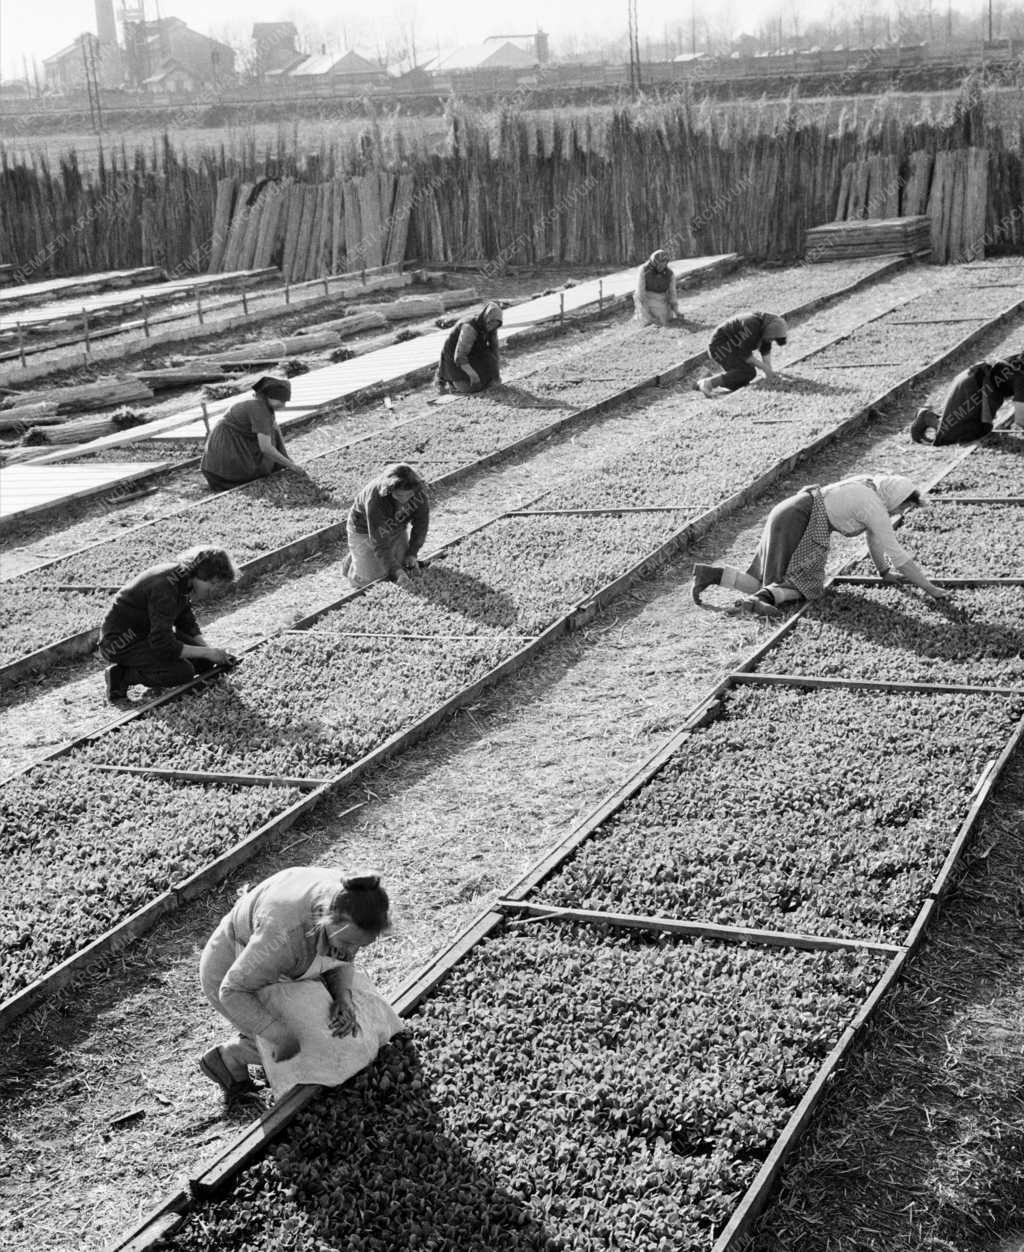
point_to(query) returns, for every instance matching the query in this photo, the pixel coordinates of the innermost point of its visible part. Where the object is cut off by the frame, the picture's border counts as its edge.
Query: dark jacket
(740, 336)
(154, 607)
(480, 346)
(381, 517)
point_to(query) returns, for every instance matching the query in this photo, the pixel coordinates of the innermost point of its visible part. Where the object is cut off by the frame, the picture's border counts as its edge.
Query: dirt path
(450, 823)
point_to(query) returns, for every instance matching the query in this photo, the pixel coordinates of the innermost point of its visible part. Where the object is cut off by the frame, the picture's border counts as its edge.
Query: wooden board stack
(837, 241)
(312, 230)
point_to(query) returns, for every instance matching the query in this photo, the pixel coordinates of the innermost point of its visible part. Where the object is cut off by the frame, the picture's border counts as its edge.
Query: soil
(451, 823)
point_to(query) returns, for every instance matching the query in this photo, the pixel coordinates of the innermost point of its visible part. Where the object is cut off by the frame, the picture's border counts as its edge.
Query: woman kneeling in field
(387, 527)
(150, 634)
(789, 564)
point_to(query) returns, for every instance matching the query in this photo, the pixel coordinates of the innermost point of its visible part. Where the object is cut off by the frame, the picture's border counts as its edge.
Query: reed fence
(516, 188)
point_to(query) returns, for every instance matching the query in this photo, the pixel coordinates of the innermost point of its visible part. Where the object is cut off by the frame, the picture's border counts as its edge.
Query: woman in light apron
(300, 924)
(789, 564)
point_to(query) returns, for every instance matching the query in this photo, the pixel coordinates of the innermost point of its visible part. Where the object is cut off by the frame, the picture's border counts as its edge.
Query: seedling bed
(897, 635)
(255, 1138)
(796, 810)
(563, 1087)
(241, 514)
(91, 849)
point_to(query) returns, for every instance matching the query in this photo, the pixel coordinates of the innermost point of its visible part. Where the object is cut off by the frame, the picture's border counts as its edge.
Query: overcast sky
(38, 28)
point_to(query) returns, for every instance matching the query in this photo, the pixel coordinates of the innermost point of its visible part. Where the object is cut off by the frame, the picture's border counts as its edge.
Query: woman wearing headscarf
(300, 924)
(655, 298)
(246, 443)
(739, 345)
(470, 360)
(975, 397)
(150, 634)
(790, 560)
(387, 527)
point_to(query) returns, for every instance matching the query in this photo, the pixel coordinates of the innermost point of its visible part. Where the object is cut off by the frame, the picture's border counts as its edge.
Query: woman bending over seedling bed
(302, 924)
(974, 399)
(470, 361)
(387, 527)
(246, 443)
(789, 564)
(739, 345)
(655, 299)
(150, 634)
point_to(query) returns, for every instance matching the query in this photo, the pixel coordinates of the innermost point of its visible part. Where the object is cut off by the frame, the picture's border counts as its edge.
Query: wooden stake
(145, 315)
(21, 345)
(245, 303)
(206, 415)
(199, 305)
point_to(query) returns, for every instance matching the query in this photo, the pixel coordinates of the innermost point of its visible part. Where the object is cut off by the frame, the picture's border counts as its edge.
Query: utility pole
(634, 48)
(693, 26)
(92, 82)
(990, 21)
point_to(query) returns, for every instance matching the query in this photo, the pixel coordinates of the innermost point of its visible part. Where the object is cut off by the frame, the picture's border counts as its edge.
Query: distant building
(337, 68)
(274, 48)
(69, 69)
(166, 50)
(172, 78)
(492, 54)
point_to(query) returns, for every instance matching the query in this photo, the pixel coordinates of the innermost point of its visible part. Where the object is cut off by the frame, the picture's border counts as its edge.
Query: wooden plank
(355, 256)
(983, 789)
(370, 220)
(222, 213)
(866, 580)
(236, 231)
(270, 225)
(696, 929)
(29, 488)
(189, 775)
(813, 683)
(337, 226)
(293, 215)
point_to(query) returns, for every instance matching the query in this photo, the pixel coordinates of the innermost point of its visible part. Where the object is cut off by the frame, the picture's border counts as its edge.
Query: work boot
(924, 421)
(704, 576)
(116, 679)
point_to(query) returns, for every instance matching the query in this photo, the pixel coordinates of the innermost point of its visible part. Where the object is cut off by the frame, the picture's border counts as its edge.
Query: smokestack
(105, 27)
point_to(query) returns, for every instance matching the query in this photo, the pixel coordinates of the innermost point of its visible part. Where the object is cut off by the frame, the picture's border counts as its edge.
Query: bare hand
(402, 578)
(218, 656)
(343, 1017)
(892, 578)
(411, 564)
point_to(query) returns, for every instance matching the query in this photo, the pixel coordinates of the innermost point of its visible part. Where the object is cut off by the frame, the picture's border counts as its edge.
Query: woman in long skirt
(387, 527)
(470, 360)
(655, 299)
(789, 564)
(246, 443)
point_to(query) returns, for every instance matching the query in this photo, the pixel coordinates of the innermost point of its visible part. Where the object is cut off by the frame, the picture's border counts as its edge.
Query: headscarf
(775, 328)
(273, 388)
(893, 489)
(658, 257)
(491, 310)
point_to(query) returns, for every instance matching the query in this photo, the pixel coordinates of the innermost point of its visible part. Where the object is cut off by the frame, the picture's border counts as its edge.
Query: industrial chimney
(105, 27)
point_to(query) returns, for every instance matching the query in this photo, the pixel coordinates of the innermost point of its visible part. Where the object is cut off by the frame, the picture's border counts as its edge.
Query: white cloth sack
(323, 1058)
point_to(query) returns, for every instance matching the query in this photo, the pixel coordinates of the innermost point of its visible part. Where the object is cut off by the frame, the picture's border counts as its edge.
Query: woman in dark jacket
(387, 527)
(733, 346)
(150, 634)
(246, 443)
(469, 359)
(974, 399)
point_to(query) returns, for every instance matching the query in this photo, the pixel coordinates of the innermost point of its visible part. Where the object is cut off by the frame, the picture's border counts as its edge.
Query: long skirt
(363, 565)
(794, 545)
(653, 309)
